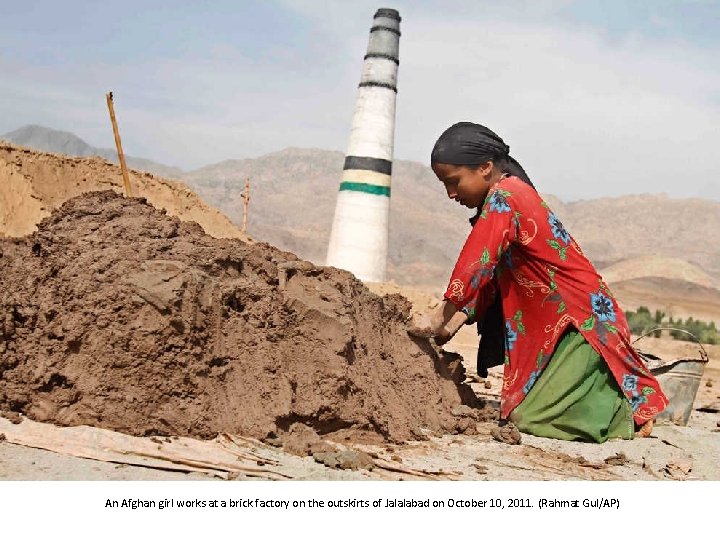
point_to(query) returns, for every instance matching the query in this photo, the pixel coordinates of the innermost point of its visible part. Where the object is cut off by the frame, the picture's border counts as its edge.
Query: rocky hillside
(64, 142)
(294, 191)
(292, 202)
(293, 194)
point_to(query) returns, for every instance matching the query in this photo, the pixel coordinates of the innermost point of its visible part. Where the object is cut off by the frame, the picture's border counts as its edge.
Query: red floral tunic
(546, 284)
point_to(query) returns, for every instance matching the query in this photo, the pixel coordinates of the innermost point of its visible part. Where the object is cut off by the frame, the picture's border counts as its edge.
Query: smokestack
(359, 237)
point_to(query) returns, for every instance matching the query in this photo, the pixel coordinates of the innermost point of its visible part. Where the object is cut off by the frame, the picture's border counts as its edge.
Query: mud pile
(116, 315)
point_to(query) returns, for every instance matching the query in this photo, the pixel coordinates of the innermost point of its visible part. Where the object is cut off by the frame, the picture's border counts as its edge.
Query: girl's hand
(420, 325)
(442, 324)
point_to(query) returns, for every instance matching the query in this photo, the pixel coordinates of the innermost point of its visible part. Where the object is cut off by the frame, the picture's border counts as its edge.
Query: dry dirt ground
(671, 453)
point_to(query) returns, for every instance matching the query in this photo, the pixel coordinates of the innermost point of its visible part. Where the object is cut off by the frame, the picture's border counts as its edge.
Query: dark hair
(510, 165)
(470, 145)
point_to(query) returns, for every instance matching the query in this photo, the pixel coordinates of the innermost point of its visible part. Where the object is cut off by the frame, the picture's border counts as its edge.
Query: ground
(671, 453)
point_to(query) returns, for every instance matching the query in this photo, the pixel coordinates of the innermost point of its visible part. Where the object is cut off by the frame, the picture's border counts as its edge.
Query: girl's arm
(442, 324)
(446, 321)
(472, 286)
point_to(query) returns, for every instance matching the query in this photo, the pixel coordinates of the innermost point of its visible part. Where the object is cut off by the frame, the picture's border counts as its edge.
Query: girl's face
(468, 186)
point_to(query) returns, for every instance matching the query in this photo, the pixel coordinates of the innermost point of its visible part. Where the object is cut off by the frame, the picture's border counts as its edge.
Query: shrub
(642, 321)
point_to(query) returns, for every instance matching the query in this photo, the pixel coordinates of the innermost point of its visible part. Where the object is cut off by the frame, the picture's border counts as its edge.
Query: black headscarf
(466, 143)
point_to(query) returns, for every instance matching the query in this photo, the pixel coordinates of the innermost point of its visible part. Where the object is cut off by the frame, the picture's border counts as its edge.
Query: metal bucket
(679, 380)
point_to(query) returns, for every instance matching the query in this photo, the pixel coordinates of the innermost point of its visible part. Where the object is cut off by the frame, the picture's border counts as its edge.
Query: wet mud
(114, 314)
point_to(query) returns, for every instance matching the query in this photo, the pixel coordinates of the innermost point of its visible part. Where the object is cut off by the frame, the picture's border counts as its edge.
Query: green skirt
(576, 398)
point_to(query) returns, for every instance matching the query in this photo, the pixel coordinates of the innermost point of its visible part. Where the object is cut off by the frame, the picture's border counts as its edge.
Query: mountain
(655, 266)
(632, 226)
(293, 193)
(675, 297)
(293, 196)
(292, 201)
(64, 142)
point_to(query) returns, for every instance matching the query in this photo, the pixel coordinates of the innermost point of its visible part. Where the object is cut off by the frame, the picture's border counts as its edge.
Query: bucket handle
(703, 353)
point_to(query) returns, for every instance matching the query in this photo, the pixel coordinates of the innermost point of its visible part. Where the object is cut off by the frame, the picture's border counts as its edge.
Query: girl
(570, 371)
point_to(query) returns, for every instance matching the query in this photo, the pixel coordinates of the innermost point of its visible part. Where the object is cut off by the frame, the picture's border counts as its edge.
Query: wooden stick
(246, 202)
(389, 466)
(118, 145)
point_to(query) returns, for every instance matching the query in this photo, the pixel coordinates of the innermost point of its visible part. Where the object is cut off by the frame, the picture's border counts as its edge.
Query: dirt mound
(658, 267)
(117, 315)
(33, 184)
(678, 299)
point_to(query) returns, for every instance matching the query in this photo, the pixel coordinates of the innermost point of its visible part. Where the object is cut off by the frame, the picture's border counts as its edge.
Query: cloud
(586, 119)
(588, 115)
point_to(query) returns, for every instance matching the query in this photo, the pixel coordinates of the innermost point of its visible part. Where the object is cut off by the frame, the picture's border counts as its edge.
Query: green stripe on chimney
(365, 188)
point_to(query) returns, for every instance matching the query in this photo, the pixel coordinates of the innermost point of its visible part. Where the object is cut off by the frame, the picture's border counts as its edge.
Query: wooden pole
(118, 145)
(246, 202)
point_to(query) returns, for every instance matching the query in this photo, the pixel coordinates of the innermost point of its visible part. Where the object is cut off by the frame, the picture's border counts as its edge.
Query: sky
(595, 98)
